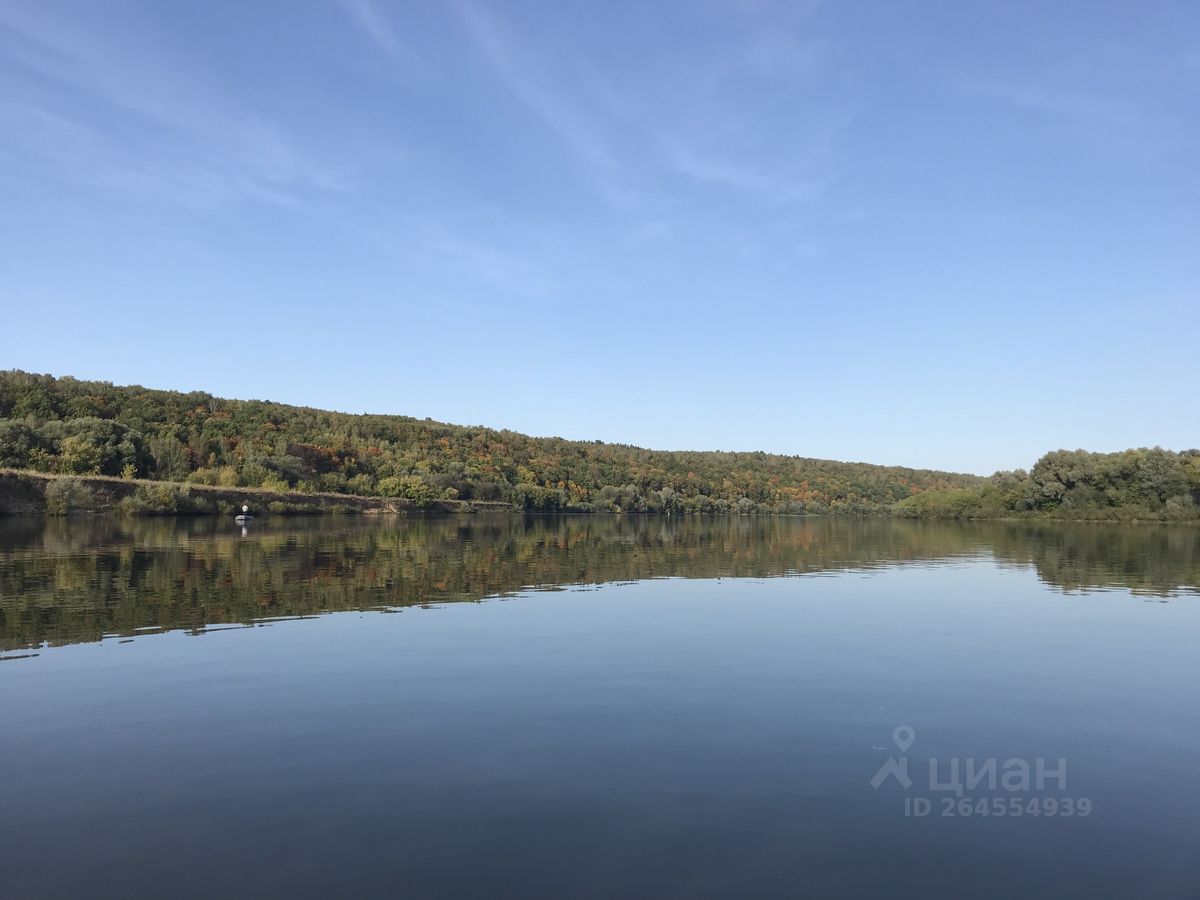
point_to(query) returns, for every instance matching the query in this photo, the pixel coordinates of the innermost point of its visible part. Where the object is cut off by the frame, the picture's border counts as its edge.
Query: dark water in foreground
(643, 707)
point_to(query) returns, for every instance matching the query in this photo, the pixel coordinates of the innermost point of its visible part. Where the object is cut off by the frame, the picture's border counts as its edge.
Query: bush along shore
(1146, 484)
(36, 493)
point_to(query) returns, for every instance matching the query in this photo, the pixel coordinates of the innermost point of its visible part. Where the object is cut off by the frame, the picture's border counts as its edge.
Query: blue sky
(937, 234)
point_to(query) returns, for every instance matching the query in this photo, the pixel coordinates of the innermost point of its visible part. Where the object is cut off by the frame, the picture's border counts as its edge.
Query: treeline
(1075, 484)
(68, 426)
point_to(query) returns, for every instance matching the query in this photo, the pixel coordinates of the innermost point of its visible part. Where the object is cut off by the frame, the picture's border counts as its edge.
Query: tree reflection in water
(67, 581)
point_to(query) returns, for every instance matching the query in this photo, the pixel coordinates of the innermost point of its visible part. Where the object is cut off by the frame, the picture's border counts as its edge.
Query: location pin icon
(904, 737)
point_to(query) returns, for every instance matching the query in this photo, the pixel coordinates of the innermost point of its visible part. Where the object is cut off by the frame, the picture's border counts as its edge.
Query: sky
(937, 234)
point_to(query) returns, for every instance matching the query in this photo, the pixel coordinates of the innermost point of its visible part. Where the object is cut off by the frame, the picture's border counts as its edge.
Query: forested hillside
(68, 426)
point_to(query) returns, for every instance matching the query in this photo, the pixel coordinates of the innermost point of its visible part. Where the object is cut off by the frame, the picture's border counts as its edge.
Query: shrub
(164, 500)
(407, 487)
(280, 508)
(64, 495)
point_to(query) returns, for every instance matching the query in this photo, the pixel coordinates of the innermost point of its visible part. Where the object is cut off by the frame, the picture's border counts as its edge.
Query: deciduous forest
(68, 426)
(73, 427)
(1147, 483)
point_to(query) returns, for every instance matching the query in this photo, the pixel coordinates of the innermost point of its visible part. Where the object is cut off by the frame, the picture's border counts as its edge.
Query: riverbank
(37, 493)
(992, 505)
(28, 493)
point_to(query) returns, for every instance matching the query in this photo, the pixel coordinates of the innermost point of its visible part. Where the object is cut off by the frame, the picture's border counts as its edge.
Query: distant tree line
(1147, 483)
(68, 426)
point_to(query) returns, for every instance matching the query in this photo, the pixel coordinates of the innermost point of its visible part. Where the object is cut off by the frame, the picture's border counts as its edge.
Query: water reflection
(67, 581)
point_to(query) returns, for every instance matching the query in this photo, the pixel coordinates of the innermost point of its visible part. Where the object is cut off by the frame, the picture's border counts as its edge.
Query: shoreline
(43, 494)
(30, 493)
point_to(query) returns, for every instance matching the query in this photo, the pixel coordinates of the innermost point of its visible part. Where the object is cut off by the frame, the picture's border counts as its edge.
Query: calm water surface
(599, 706)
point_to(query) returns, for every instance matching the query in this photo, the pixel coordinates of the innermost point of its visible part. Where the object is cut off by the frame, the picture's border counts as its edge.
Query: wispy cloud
(376, 25)
(764, 184)
(650, 232)
(673, 120)
(1076, 107)
(369, 19)
(490, 263)
(83, 155)
(567, 117)
(139, 119)
(422, 242)
(1100, 118)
